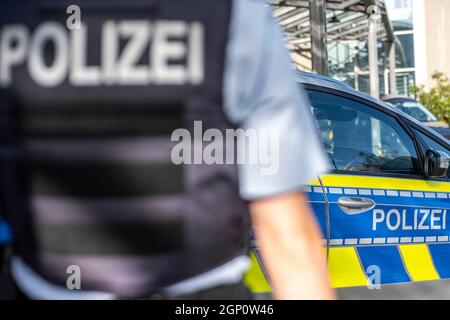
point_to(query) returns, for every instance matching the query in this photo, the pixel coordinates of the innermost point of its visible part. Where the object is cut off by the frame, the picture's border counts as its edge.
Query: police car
(385, 208)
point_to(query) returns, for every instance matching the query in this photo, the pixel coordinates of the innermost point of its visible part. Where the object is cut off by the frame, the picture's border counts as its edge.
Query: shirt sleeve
(261, 95)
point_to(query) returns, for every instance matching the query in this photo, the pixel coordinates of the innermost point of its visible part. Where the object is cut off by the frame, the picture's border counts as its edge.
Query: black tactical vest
(86, 119)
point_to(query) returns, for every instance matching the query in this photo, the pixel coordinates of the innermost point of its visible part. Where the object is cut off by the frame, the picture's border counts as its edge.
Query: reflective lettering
(175, 48)
(423, 219)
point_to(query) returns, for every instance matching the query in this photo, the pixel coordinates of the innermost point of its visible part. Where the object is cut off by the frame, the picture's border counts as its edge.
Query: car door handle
(355, 205)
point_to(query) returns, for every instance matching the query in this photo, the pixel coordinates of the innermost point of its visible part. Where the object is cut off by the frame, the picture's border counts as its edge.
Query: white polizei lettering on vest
(53, 75)
(110, 50)
(176, 53)
(138, 33)
(196, 53)
(164, 50)
(81, 73)
(13, 50)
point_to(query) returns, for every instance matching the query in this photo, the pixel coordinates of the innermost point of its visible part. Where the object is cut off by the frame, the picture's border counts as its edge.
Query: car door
(440, 252)
(388, 223)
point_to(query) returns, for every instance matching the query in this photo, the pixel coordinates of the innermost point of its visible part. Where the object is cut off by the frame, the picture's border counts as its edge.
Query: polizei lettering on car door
(417, 219)
(175, 52)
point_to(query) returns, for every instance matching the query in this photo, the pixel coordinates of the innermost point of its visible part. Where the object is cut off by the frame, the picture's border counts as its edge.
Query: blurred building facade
(420, 28)
(431, 24)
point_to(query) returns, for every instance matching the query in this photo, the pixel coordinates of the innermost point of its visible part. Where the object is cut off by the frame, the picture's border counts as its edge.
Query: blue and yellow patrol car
(384, 209)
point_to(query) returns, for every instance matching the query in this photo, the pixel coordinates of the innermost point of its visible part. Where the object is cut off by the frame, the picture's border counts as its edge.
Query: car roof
(389, 97)
(314, 79)
(327, 82)
(318, 79)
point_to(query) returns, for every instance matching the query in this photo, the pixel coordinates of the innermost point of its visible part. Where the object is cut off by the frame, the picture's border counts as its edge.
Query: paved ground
(435, 290)
(420, 290)
(439, 290)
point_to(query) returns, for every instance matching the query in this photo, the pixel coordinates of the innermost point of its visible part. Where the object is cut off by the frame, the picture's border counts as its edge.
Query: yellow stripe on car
(418, 262)
(345, 268)
(254, 278)
(347, 181)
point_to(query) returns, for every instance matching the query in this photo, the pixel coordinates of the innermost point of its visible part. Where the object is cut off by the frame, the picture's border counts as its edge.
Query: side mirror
(436, 163)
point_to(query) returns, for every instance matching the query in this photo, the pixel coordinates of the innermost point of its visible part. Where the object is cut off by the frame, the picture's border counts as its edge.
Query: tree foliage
(437, 98)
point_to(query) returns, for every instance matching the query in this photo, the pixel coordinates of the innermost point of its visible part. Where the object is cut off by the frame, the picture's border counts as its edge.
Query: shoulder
(250, 14)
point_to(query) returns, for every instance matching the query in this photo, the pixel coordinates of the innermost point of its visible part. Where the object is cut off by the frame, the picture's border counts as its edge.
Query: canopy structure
(311, 25)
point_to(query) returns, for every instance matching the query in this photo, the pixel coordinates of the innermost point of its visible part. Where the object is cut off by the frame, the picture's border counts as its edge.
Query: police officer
(99, 203)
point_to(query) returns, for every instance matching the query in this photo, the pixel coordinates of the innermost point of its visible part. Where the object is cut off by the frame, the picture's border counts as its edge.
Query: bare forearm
(297, 269)
(292, 251)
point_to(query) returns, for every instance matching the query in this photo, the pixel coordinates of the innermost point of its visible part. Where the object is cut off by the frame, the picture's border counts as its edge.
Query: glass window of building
(405, 51)
(401, 16)
(400, 13)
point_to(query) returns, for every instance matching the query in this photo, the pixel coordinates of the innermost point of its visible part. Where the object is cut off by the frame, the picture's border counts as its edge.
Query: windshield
(415, 110)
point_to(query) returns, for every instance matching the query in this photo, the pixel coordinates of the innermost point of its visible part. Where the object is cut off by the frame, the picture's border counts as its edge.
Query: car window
(415, 110)
(360, 138)
(432, 144)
